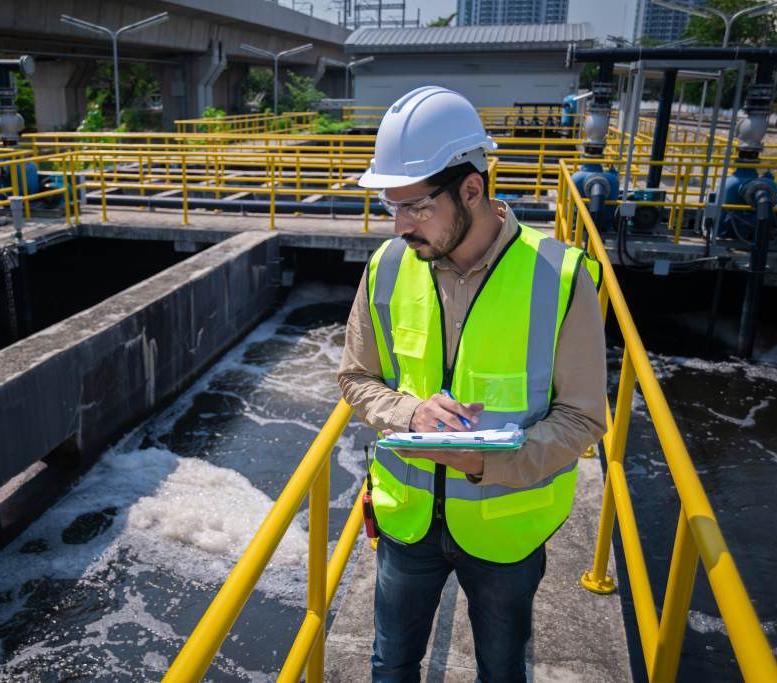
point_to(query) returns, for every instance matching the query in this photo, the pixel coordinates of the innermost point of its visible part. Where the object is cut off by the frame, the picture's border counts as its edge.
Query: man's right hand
(440, 408)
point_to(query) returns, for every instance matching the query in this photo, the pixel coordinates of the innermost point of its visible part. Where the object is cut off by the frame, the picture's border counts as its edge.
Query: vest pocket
(504, 392)
(409, 342)
(517, 503)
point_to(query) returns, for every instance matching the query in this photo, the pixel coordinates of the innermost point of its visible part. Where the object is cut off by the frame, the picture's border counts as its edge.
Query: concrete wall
(486, 80)
(98, 372)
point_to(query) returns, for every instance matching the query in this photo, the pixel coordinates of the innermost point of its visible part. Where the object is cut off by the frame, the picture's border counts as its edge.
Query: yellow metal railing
(311, 478)
(698, 533)
(288, 122)
(281, 166)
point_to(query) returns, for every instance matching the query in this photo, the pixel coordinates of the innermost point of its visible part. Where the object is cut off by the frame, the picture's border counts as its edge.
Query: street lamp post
(114, 36)
(276, 57)
(349, 70)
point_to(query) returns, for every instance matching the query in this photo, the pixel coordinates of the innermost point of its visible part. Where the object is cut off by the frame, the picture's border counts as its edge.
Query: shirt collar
(507, 232)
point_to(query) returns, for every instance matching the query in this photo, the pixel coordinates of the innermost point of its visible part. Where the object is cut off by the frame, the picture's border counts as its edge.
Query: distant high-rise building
(489, 12)
(660, 23)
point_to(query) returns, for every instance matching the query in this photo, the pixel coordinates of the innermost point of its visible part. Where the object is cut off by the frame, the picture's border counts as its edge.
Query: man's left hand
(469, 462)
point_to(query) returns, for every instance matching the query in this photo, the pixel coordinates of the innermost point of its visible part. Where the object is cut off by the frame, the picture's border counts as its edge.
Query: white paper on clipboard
(509, 436)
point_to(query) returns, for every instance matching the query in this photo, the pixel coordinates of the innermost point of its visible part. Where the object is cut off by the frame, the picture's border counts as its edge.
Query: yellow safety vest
(504, 360)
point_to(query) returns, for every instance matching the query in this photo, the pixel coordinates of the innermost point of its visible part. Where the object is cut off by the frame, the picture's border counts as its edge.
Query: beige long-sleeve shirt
(576, 416)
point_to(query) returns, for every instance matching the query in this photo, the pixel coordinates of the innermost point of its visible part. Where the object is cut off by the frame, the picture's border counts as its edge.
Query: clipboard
(511, 437)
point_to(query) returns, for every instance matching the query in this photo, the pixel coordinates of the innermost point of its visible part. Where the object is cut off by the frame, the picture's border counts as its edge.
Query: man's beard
(462, 222)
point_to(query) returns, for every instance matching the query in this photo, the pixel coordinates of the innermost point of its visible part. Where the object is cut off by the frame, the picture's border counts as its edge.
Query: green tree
(25, 101)
(751, 31)
(301, 94)
(443, 21)
(136, 85)
(258, 82)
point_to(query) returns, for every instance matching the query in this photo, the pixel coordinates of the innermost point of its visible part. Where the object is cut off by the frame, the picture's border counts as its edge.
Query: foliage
(25, 101)
(137, 84)
(443, 21)
(259, 81)
(749, 31)
(326, 125)
(93, 121)
(211, 112)
(301, 94)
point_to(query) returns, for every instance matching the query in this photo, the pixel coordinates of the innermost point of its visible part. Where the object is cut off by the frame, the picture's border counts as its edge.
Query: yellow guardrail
(311, 478)
(698, 533)
(289, 122)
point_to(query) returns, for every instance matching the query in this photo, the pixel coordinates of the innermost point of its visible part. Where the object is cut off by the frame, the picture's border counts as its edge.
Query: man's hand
(469, 462)
(440, 408)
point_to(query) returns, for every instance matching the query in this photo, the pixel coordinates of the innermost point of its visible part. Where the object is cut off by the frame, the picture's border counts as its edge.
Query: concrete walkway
(578, 636)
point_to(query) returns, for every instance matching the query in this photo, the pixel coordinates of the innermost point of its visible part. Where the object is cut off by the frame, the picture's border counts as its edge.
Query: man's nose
(403, 225)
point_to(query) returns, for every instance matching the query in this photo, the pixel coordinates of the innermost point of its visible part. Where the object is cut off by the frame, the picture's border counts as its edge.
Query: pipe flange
(749, 190)
(596, 180)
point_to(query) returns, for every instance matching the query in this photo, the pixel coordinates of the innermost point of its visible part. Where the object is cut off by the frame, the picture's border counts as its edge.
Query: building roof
(467, 38)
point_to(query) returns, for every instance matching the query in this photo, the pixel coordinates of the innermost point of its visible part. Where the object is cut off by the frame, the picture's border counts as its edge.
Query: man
(505, 319)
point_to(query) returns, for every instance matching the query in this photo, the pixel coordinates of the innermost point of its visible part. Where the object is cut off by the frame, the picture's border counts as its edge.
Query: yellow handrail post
(677, 600)
(366, 210)
(317, 551)
(74, 183)
(26, 199)
(272, 193)
(597, 579)
(185, 190)
(540, 161)
(103, 198)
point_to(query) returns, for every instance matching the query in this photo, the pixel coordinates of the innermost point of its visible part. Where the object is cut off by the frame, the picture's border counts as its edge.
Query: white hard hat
(423, 132)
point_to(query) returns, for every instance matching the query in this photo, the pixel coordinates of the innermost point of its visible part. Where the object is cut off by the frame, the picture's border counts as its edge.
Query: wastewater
(107, 584)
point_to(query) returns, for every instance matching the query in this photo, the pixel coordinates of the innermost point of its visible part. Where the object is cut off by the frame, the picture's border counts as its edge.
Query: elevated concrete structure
(193, 52)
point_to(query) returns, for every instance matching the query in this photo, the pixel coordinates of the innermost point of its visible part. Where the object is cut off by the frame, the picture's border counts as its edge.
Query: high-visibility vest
(504, 360)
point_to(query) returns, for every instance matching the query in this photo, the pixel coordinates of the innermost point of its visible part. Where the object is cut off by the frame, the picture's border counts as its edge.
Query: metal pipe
(755, 278)
(663, 118)
(727, 158)
(628, 54)
(343, 207)
(636, 96)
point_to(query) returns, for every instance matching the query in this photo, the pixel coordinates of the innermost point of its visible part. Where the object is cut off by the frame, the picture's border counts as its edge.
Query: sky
(430, 9)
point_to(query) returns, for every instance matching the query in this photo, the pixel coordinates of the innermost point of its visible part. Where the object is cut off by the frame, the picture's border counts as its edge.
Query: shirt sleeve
(576, 418)
(360, 377)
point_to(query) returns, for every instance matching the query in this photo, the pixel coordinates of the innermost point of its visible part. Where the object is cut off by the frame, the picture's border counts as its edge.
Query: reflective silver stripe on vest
(404, 472)
(460, 489)
(385, 281)
(463, 489)
(542, 328)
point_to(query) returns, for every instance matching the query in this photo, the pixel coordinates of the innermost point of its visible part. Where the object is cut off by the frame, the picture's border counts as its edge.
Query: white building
(490, 65)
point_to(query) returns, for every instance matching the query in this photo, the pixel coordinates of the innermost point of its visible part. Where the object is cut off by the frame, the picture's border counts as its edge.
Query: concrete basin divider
(83, 380)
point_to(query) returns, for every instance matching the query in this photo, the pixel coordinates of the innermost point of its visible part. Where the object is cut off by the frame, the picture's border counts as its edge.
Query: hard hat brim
(383, 181)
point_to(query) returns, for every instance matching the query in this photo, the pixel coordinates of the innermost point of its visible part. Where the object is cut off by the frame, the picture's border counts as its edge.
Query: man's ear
(471, 190)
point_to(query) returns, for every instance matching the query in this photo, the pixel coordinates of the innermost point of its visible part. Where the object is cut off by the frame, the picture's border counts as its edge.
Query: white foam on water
(748, 420)
(706, 623)
(185, 515)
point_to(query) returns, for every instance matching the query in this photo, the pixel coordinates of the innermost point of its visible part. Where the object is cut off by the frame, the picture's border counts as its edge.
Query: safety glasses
(419, 210)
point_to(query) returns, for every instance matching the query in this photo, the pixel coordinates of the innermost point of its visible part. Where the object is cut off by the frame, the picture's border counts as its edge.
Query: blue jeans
(407, 591)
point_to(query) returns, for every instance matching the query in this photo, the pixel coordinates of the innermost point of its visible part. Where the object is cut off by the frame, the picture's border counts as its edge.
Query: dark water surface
(108, 583)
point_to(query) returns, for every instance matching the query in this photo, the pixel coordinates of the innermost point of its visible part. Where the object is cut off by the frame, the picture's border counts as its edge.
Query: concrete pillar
(172, 82)
(203, 74)
(60, 93)
(227, 91)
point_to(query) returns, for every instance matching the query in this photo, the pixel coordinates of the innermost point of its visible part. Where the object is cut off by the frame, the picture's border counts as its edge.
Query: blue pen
(463, 419)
